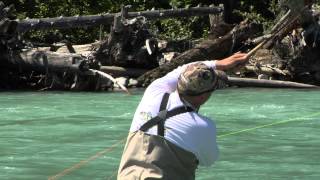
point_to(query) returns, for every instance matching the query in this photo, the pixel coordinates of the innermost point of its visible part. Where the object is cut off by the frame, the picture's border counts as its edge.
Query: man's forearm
(233, 61)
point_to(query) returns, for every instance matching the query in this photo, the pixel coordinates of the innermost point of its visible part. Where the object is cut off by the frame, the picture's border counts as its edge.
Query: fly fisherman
(168, 138)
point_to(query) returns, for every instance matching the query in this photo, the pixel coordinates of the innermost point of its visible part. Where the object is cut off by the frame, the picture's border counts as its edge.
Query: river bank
(131, 56)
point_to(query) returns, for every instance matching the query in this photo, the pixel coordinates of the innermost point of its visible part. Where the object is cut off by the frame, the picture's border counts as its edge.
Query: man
(168, 138)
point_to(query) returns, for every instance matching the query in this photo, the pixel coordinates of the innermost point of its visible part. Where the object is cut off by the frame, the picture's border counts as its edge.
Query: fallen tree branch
(94, 20)
(266, 70)
(120, 71)
(43, 61)
(247, 82)
(105, 75)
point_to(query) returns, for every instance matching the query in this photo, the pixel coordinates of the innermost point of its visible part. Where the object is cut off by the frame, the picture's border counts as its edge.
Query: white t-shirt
(190, 131)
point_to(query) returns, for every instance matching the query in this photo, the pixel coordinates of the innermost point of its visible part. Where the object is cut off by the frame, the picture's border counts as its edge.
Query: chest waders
(150, 157)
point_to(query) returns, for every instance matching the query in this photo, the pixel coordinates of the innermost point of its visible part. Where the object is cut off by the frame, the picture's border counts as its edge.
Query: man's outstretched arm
(168, 83)
(233, 61)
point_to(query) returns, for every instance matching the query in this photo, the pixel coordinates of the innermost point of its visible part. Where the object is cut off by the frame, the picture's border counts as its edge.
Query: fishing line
(86, 161)
(271, 124)
(109, 149)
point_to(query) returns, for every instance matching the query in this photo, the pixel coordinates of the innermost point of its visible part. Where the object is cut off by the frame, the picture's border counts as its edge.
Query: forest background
(262, 11)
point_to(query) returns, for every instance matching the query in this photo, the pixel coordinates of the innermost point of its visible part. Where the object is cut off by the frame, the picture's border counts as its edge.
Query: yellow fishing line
(108, 150)
(86, 161)
(271, 124)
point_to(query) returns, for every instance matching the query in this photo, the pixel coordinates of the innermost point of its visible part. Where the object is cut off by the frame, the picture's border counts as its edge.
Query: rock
(263, 76)
(162, 44)
(167, 57)
(133, 83)
(122, 80)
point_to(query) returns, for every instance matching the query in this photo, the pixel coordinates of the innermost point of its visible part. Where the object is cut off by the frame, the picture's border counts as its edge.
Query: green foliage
(183, 28)
(175, 29)
(264, 12)
(253, 16)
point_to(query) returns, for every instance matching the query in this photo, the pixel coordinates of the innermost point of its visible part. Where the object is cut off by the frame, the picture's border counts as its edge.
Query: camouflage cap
(198, 78)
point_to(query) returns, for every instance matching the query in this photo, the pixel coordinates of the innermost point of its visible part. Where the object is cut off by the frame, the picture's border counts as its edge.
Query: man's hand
(236, 60)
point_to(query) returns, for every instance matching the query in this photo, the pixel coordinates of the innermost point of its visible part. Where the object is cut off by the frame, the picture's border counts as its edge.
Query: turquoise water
(262, 134)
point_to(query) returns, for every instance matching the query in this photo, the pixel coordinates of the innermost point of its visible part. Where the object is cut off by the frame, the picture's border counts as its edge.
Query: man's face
(205, 96)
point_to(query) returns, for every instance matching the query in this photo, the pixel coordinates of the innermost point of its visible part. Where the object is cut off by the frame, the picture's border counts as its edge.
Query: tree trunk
(94, 20)
(120, 71)
(267, 70)
(42, 61)
(247, 82)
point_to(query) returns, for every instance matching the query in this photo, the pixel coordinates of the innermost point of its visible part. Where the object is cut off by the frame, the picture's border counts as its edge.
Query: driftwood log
(121, 71)
(56, 65)
(206, 50)
(126, 43)
(247, 82)
(266, 70)
(43, 61)
(94, 20)
(48, 70)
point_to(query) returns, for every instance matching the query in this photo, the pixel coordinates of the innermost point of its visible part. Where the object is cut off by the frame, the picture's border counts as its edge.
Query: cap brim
(221, 75)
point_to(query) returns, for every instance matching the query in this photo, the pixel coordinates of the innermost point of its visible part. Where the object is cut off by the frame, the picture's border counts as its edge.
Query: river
(262, 134)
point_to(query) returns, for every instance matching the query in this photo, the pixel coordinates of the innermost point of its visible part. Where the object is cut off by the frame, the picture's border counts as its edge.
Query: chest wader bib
(150, 157)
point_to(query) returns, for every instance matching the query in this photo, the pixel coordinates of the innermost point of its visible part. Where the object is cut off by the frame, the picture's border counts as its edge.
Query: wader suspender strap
(163, 115)
(163, 107)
